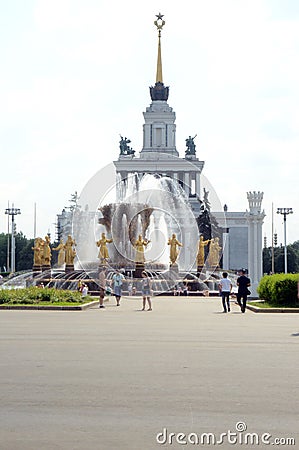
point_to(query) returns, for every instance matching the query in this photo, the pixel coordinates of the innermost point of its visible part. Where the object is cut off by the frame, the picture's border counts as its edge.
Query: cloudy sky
(75, 74)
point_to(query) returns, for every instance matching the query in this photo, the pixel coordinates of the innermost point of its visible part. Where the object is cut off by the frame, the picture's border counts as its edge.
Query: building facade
(242, 231)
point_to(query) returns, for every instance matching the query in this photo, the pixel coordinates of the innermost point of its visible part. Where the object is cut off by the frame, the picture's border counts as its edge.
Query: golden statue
(213, 258)
(38, 249)
(201, 250)
(139, 245)
(70, 252)
(61, 253)
(174, 253)
(46, 259)
(102, 244)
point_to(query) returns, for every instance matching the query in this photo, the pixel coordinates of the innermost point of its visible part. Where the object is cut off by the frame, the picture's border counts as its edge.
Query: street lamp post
(13, 212)
(285, 212)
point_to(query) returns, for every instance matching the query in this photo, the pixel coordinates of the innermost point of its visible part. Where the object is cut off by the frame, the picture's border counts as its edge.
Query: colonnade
(188, 180)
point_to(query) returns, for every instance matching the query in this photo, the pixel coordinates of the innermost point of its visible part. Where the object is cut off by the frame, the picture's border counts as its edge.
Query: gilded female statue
(174, 244)
(103, 250)
(61, 253)
(201, 250)
(70, 252)
(37, 252)
(213, 258)
(140, 245)
(46, 260)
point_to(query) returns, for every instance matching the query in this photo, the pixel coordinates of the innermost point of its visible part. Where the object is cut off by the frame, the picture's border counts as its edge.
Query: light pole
(13, 212)
(285, 212)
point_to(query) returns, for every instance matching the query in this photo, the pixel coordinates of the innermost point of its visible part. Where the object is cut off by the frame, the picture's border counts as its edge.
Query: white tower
(159, 154)
(255, 218)
(159, 127)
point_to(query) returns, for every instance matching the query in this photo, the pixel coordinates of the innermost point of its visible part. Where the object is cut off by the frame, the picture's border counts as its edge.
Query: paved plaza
(116, 378)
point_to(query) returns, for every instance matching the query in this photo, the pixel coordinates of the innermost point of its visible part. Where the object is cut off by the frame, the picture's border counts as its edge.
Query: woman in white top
(146, 291)
(225, 287)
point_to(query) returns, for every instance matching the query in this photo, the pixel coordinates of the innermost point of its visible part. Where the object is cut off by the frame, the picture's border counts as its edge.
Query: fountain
(153, 206)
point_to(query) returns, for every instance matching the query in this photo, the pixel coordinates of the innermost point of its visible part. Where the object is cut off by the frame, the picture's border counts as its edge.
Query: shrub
(35, 295)
(264, 288)
(279, 289)
(6, 295)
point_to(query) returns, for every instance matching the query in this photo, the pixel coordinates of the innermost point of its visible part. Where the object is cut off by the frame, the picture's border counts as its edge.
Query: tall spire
(159, 24)
(159, 91)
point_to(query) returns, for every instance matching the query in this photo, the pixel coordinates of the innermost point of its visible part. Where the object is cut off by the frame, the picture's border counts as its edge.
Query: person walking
(243, 283)
(146, 291)
(225, 287)
(117, 280)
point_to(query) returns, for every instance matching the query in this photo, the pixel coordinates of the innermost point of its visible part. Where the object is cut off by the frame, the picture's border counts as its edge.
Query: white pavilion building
(242, 231)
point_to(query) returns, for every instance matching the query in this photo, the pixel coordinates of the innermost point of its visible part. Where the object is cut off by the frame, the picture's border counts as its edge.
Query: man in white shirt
(225, 287)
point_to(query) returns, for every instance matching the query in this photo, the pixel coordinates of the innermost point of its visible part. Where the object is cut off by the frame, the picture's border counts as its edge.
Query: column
(259, 262)
(255, 218)
(197, 183)
(255, 244)
(225, 250)
(187, 183)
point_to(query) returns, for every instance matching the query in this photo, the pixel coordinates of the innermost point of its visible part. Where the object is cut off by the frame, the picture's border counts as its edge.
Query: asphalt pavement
(122, 378)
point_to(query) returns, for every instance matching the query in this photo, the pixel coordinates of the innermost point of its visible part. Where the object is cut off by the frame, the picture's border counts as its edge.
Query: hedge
(279, 289)
(36, 295)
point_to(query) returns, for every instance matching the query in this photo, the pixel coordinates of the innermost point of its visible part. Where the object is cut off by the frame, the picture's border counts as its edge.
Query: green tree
(23, 252)
(292, 259)
(295, 246)
(3, 251)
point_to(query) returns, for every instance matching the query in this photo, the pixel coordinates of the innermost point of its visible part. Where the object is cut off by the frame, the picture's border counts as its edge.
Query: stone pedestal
(101, 267)
(174, 266)
(173, 272)
(46, 267)
(69, 268)
(199, 269)
(36, 270)
(139, 268)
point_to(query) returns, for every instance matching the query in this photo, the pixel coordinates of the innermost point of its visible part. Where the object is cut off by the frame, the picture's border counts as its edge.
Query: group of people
(181, 289)
(225, 288)
(117, 283)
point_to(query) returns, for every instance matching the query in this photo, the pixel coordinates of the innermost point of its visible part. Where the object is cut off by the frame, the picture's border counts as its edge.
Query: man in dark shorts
(117, 280)
(243, 283)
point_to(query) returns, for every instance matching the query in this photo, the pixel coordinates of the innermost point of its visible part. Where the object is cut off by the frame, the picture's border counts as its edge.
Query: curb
(256, 309)
(50, 307)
